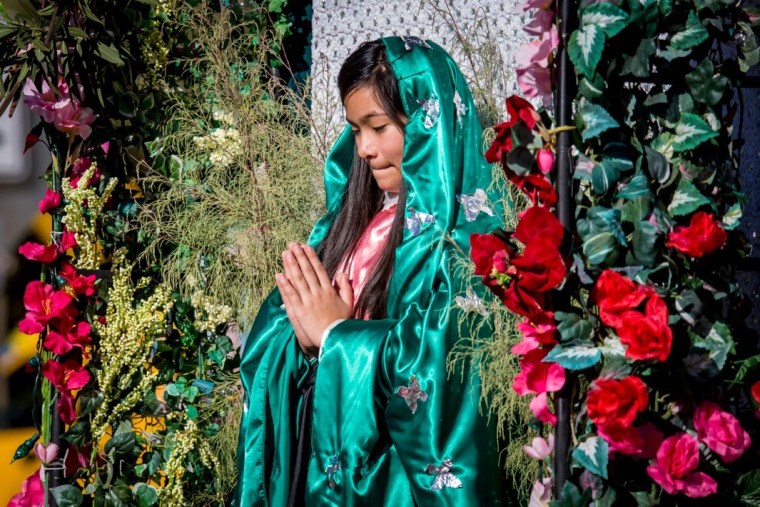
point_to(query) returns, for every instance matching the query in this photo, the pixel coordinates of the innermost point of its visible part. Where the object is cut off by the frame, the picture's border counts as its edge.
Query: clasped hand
(311, 301)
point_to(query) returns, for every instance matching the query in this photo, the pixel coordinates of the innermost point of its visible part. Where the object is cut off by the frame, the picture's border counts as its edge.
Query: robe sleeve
(389, 377)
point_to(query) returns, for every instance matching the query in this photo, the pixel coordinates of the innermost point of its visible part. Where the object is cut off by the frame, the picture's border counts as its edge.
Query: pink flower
(52, 200)
(537, 376)
(77, 170)
(46, 453)
(539, 448)
(71, 336)
(40, 253)
(80, 284)
(66, 378)
(540, 408)
(533, 73)
(43, 304)
(540, 24)
(536, 81)
(537, 330)
(32, 493)
(541, 494)
(721, 432)
(536, 4)
(545, 160)
(74, 119)
(65, 241)
(675, 465)
(42, 103)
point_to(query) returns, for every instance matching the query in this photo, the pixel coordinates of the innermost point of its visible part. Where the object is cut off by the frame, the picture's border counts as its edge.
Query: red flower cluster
(702, 236)
(646, 333)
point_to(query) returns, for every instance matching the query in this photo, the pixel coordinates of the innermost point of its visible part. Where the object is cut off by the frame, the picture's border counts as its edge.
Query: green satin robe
(390, 426)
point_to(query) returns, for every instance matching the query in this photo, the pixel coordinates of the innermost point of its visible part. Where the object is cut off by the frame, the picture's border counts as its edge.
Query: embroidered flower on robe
(443, 476)
(333, 467)
(412, 394)
(415, 220)
(474, 204)
(410, 42)
(432, 110)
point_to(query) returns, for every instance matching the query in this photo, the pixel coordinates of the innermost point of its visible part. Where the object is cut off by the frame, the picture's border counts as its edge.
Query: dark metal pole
(566, 22)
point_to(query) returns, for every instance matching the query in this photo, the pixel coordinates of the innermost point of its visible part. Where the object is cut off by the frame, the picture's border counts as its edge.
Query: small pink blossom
(46, 453)
(721, 432)
(540, 408)
(52, 200)
(545, 160)
(541, 494)
(541, 23)
(74, 119)
(540, 448)
(37, 252)
(45, 102)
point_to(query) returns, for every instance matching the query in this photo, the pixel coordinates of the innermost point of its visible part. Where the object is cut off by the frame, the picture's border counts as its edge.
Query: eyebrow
(367, 116)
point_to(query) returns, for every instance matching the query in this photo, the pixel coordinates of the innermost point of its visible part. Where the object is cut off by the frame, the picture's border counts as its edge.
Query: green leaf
(686, 199)
(571, 496)
(128, 104)
(89, 401)
(592, 455)
(748, 487)
(585, 48)
(732, 217)
(121, 443)
(607, 499)
(718, 343)
(593, 88)
(572, 327)
(643, 240)
(192, 412)
(691, 131)
(644, 499)
(636, 188)
(692, 35)
(705, 85)
(576, 355)
(638, 63)
(609, 18)
(146, 494)
(607, 219)
(77, 434)
(109, 53)
(599, 247)
(603, 178)
(657, 165)
(595, 120)
(67, 495)
(636, 210)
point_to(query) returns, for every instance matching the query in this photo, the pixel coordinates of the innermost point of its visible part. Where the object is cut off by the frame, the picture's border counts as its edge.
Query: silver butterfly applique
(443, 476)
(460, 107)
(412, 394)
(432, 110)
(415, 220)
(410, 42)
(474, 204)
(332, 468)
(471, 303)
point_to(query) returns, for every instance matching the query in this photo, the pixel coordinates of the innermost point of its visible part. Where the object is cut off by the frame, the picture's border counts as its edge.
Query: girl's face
(379, 140)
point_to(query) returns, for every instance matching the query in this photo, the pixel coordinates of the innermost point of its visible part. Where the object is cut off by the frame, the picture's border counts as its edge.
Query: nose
(365, 148)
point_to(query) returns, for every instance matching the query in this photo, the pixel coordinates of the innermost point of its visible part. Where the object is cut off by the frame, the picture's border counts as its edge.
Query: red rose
(539, 222)
(540, 267)
(615, 295)
(518, 109)
(489, 253)
(674, 468)
(702, 236)
(755, 391)
(637, 441)
(501, 144)
(648, 335)
(615, 403)
(721, 432)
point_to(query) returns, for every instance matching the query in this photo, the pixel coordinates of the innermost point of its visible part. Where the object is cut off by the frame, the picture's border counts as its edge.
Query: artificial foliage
(139, 398)
(634, 304)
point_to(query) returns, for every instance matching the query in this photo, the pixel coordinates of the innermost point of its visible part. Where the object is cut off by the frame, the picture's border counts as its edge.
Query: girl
(348, 398)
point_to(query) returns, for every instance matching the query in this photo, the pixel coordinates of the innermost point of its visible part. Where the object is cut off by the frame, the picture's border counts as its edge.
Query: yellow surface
(14, 474)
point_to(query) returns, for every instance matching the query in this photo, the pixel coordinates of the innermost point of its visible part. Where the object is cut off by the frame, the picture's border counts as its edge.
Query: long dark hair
(367, 66)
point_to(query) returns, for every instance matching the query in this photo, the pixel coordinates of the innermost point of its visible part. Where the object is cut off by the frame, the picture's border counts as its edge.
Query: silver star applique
(412, 394)
(471, 303)
(410, 42)
(432, 110)
(415, 220)
(443, 476)
(459, 106)
(474, 204)
(333, 467)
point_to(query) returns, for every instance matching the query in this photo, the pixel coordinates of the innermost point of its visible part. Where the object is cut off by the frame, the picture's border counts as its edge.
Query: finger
(345, 291)
(290, 296)
(306, 268)
(294, 274)
(317, 265)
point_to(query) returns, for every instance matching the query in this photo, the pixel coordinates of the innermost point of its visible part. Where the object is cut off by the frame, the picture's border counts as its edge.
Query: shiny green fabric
(366, 439)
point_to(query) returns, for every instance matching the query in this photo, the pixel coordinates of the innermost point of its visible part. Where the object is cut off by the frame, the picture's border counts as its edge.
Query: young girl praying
(348, 398)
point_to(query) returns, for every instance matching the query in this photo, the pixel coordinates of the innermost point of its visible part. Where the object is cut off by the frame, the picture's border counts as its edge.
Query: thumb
(345, 291)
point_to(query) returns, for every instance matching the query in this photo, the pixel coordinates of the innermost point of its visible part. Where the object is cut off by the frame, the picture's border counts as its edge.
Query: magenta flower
(541, 494)
(80, 284)
(533, 73)
(545, 160)
(67, 377)
(721, 431)
(540, 408)
(40, 253)
(43, 304)
(540, 24)
(675, 467)
(32, 493)
(52, 200)
(70, 336)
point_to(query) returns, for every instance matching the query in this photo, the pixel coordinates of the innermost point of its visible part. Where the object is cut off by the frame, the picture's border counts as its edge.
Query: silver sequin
(412, 394)
(443, 476)
(333, 467)
(432, 110)
(474, 204)
(410, 42)
(471, 303)
(460, 106)
(415, 220)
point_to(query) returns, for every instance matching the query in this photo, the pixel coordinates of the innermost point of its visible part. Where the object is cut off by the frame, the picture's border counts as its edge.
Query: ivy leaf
(686, 199)
(77, 434)
(146, 494)
(732, 217)
(609, 18)
(748, 487)
(592, 455)
(691, 131)
(636, 210)
(597, 248)
(692, 35)
(67, 496)
(657, 165)
(644, 499)
(637, 187)
(572, 327)
(718, 343)
(585, 48)
(638, 63)
(576, 355)
(121, 443)
(572, 497)
(595, 120)
(644, 239)
(704, 85)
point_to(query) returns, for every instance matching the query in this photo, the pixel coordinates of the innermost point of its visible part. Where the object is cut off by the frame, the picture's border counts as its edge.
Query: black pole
(566, 22)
